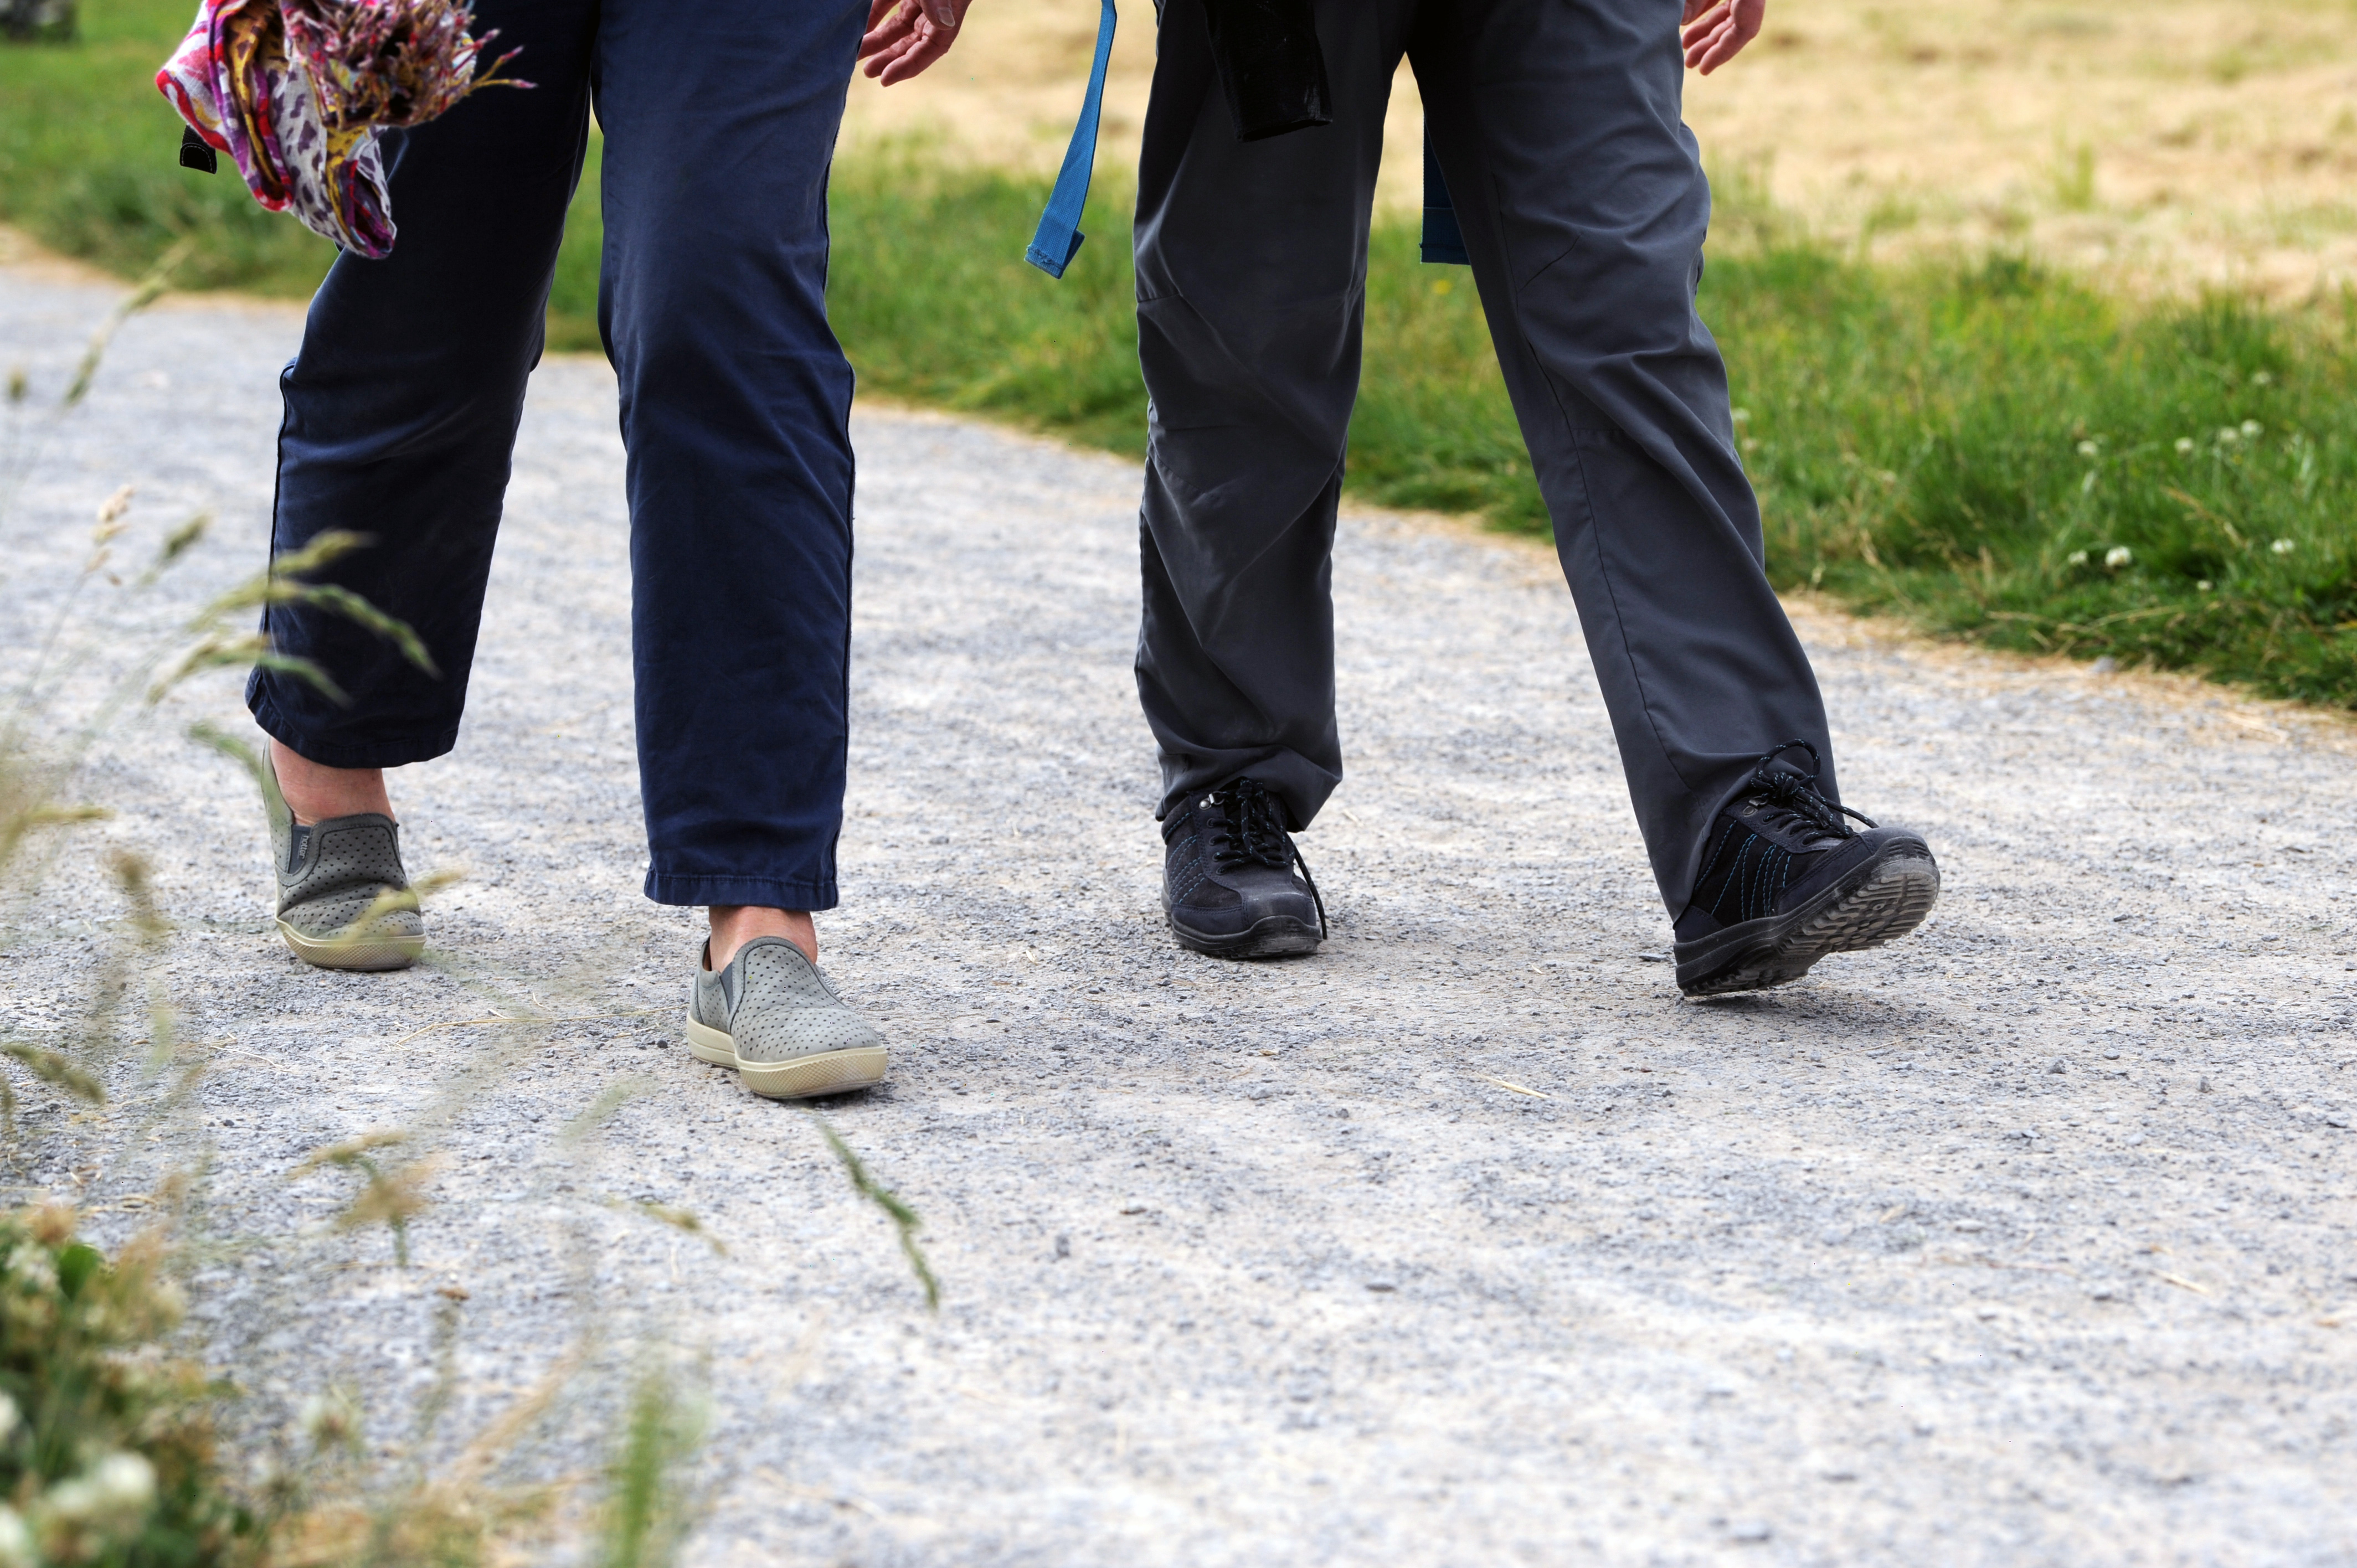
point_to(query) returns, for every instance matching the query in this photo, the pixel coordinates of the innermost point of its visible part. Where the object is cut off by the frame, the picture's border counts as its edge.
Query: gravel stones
(1668, 1277)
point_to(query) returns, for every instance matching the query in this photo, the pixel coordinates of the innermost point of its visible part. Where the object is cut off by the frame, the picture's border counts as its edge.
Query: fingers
(1703, 20)
(911, 54)
(887, 54)
(888, 23)
(1721, 33)
(911, 39)
(904, 36)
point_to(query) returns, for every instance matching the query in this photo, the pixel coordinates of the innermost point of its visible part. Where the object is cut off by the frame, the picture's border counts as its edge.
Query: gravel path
(1466, 1243)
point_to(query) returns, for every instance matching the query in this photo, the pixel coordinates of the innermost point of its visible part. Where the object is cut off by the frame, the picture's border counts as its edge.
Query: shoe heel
(706, 1044)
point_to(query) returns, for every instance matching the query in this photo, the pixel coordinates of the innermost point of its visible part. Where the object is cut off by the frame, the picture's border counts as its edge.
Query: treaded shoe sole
(1279, 935)
(803, 1078)
(1881, 901)
(366, 954)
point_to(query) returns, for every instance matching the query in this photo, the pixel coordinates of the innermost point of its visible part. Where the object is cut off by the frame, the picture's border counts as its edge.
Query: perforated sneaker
(773, 1017)
(1785, 882)
(1228, 882)
(344, 899)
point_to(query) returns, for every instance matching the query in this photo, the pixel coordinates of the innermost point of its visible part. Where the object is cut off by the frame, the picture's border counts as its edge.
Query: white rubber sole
(365, 954)
(804, 1077)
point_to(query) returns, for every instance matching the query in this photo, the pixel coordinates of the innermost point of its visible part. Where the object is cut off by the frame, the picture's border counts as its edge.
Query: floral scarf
(297, 91)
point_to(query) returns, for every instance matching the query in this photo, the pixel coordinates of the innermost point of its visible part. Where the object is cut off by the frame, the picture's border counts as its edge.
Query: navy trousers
(720, 118)
(1583, 206)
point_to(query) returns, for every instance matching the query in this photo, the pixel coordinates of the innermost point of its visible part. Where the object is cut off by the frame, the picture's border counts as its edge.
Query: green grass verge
(1991, 450)
(106, 1440)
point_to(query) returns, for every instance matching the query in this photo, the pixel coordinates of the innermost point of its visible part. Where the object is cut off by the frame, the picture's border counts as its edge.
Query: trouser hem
(762, 892)
(398, 752)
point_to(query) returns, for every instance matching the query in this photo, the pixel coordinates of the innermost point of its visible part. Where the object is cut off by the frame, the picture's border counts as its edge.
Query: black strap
(198, 154)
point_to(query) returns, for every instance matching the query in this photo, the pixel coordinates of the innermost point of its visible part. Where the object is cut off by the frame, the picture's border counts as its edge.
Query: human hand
(1716, 30)
(904, 36)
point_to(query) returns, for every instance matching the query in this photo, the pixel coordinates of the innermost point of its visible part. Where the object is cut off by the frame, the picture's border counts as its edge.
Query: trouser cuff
(762, 892)
(376, 751)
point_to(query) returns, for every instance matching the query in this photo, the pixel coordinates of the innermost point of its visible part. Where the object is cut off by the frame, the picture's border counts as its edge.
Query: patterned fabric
(297, 91)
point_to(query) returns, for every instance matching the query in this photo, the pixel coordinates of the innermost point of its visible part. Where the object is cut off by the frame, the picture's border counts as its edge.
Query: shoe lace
(1248, 828)
(1795, 795)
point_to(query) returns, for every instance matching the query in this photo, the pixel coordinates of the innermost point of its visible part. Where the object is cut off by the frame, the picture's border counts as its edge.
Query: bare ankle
(315, 792)
(734, 925)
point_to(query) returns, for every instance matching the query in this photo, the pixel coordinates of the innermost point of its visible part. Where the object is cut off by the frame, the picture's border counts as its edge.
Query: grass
(1993, 451)
(106, 1440)
(88, 161)
(1989, 450)
(108, 1449)
(108, 1452)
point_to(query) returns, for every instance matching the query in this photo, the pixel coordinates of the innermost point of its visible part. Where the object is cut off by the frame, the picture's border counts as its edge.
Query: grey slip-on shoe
(344, 899)
(772, 1017)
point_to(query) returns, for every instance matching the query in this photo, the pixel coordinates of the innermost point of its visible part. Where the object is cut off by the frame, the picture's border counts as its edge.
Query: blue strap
(1059, 239)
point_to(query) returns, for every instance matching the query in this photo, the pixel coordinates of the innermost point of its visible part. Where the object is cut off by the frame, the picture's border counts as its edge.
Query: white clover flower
(2283, 547)
(15, 1539)
(1742, 416)
(2251, 428)
(127, 1482)
(2089, 449)
(73, 1501)
(33, 1265)
(2261, 378)
(2076, 558)
(2204, 584)
(116, 1491)
(2117, 556)
(2184, 445)
(2228, 435)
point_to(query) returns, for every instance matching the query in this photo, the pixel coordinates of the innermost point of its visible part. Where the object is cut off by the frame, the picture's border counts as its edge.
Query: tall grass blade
(904, 1219)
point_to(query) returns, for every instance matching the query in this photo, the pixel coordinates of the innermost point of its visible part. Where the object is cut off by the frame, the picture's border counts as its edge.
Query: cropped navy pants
(402, 406)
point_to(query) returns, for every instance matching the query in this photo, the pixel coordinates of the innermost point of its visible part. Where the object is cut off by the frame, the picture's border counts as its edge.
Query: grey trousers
(1583, 204)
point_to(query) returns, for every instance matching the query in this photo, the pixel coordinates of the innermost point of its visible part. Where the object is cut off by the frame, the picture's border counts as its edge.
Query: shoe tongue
(1786, 820)
(1797, 826)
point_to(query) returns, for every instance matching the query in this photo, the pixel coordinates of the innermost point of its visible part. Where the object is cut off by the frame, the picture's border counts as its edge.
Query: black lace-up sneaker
(1785, 881)
(1228, 882)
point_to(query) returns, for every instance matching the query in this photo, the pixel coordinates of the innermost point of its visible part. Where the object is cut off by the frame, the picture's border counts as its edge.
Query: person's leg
(1251, 283)
(720, 123)
(1583, 205)
(401, 411)
(1251, 291)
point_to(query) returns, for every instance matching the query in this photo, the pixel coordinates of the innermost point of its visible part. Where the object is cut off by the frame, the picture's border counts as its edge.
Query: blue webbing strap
(1059, 239)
